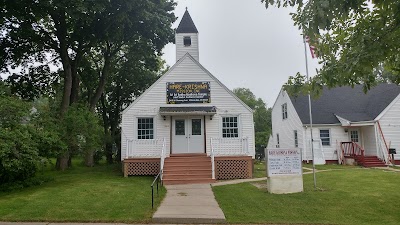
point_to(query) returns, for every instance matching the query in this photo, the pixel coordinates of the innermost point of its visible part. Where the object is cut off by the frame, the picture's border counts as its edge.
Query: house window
(354, 136)
(230, 127)
(187, 41)
(296, 140)
(145, 128)
(284, 111)
(325, 137)
(277, 140)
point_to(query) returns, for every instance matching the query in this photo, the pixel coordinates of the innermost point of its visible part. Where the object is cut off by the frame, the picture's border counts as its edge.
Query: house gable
(187, 69)
(286, 127)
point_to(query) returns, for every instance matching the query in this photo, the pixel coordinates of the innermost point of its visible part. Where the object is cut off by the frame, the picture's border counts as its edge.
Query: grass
(328, 167)
(349, 196)
(99, 194)
(259, 169)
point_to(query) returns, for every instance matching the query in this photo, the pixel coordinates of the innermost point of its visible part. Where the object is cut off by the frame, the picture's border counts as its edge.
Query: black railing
(156, 180)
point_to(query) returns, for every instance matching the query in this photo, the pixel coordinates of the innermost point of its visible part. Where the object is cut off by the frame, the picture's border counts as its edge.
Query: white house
(188, 124)
(346, 123)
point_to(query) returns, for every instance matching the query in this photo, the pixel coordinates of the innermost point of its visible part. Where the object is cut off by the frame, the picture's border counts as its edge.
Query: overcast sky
(244, 44)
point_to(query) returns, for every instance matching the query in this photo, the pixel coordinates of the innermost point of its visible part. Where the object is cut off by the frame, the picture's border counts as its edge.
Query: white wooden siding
(286, 127)
(390, 124)
(181, 49)
(368, 140)
(337, 135)
(155, 97)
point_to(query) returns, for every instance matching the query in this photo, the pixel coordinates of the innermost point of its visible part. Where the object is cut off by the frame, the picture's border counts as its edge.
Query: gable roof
(348, 103)
(187, 55)
(186, 25)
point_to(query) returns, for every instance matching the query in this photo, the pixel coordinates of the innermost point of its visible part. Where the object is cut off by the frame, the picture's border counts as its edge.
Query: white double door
(188, 135)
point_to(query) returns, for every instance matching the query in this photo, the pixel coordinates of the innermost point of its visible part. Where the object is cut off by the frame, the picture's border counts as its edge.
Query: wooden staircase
(187, 169)
(353, 150)
(371, 161)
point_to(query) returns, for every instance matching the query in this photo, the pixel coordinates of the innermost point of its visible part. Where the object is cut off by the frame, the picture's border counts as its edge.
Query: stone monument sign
(284, 171)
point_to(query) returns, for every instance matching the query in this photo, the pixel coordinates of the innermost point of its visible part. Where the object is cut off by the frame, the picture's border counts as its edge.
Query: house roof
(348, 103)
(186, 25)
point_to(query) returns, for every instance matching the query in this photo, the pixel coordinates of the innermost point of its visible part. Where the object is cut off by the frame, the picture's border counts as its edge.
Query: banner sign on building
(283, 162)
(188, 92)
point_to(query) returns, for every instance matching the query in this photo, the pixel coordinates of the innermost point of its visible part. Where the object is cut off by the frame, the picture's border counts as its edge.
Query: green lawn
(99, 194)
(328, 167)
(259, 169)
(349, 196)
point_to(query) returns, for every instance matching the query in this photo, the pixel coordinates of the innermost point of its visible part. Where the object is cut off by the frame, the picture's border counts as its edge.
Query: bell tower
(187, 38)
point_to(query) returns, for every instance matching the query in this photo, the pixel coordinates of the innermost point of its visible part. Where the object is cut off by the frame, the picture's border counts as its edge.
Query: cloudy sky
(244, 44)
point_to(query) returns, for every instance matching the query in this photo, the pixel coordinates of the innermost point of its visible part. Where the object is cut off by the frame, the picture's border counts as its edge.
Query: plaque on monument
(284, 171)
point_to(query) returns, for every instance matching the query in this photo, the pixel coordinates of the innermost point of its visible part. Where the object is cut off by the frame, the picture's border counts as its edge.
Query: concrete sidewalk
(191, 203)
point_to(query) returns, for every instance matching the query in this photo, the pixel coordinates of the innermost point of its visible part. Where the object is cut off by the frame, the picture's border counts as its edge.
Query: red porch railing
(386, 145)
(352, 149)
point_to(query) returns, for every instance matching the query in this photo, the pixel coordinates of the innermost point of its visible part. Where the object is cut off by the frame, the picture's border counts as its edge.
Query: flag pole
(310, 112)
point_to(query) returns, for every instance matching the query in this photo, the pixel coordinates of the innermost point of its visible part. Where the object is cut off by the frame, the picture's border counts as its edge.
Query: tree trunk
(109, 153)
(118, 142)
(63, 161)
(103, 78)
(89, 158)
(75, 84)
(61, 33)
(106, 122)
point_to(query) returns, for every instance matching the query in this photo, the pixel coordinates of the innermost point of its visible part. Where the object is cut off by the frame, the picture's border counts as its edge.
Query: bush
(18, 151)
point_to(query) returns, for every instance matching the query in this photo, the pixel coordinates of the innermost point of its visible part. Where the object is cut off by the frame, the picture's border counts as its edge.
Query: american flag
(312, 48)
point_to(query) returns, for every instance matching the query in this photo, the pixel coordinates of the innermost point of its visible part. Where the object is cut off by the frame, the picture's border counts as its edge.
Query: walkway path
(190, 203)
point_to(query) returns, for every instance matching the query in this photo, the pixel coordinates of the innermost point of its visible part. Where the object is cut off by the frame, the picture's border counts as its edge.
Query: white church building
(188, 125)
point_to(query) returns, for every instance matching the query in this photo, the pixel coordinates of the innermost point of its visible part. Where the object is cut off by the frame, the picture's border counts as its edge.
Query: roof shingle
(349, 103)
(186, 25)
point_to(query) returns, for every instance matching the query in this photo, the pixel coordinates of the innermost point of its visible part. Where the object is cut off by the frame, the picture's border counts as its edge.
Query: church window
(187, 41)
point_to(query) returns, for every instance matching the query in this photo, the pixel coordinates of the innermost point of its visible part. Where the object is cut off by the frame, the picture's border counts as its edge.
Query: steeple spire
(186, 25)
(187, 38)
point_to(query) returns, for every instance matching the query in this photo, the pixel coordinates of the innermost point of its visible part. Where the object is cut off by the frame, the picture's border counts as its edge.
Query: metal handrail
(212, 160)
(156, 180)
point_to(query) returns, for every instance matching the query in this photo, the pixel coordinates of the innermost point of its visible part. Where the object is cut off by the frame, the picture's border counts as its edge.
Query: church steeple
(186, 25)
(187, 38)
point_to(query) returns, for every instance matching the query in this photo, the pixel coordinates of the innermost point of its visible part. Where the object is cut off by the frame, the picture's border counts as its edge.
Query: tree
(72, 33)
(128, 80)
(261, 115)
(356, 41)
(19, 154)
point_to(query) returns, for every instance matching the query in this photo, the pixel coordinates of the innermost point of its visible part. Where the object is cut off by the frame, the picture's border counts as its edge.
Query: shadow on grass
(82, 194)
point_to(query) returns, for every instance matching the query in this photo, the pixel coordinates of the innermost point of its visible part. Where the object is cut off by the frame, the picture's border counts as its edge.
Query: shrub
(18, 151)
